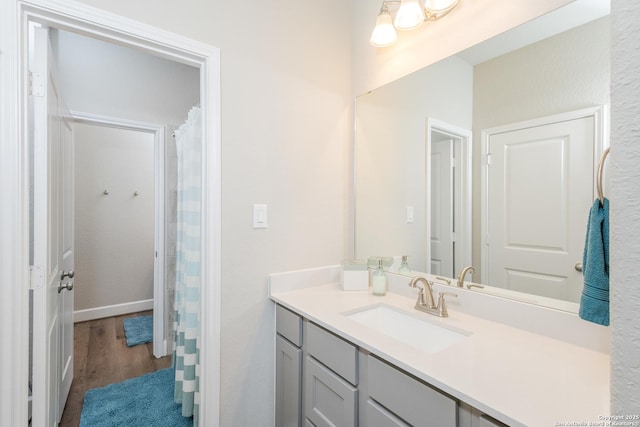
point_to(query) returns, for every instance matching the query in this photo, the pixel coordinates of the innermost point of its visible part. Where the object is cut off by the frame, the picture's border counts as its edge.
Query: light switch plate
(260, 216)
(409, 214)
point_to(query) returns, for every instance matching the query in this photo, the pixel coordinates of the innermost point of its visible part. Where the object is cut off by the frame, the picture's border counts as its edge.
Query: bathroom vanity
(348, 358)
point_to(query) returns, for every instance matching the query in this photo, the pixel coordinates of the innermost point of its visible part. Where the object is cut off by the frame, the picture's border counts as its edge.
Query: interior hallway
(101, 357)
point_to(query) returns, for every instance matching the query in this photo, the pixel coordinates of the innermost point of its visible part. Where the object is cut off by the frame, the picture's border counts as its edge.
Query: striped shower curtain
(186, 359)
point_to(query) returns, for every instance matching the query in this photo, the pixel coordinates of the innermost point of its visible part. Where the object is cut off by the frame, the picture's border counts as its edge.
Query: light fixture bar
(436, 9)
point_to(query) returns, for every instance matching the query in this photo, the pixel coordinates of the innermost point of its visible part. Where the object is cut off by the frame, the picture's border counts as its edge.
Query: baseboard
(112, 310)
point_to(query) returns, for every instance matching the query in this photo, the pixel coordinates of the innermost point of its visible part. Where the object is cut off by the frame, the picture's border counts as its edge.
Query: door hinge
(36, 84)
(36, 277)
(488, 159)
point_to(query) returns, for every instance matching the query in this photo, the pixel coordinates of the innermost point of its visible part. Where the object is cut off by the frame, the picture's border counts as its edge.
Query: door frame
(14, 185)
(466, 137)
(601, 141)
(159, 178)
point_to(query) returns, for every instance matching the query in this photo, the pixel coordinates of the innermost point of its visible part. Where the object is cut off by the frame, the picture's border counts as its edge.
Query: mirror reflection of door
(446, 203)
(442, 180)
(539, 191)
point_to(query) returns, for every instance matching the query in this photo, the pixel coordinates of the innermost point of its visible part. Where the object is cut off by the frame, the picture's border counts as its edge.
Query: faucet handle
(444, 279)
(442, 306)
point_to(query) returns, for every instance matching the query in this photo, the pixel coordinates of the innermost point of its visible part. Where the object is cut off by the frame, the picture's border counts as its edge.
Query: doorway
(448, 198)
(123, 227)
(111, 28)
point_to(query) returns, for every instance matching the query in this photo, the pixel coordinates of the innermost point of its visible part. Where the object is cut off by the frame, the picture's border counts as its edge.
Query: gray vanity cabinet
(328, 381)
(288, 368)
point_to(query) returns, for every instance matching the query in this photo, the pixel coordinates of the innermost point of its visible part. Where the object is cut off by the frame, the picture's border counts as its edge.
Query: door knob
(578, 266)
(68, 274)
(67, 286)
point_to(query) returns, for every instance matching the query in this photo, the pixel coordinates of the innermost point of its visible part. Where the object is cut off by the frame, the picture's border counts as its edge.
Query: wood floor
(101, 357)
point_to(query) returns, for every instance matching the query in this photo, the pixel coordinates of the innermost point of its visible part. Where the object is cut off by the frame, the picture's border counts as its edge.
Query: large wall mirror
(488, 158)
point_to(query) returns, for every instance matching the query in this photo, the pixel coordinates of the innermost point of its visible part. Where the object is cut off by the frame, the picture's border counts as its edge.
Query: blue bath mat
(146, 401)
(138, 330)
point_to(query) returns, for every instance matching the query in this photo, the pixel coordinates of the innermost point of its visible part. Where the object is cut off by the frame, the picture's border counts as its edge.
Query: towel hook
(605, 153)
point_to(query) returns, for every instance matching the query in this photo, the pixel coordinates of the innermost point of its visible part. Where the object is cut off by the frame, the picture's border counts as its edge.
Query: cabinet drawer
(289, 325)
(377, 416)
(338, 354)
(328, 399)
(415, 402)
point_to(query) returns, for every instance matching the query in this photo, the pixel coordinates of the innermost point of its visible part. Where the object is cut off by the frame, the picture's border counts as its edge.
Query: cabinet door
(329, 400)
(288, 383)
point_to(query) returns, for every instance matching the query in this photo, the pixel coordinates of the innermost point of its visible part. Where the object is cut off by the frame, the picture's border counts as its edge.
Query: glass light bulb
(439, 5)
(409, 16)
(384, 34)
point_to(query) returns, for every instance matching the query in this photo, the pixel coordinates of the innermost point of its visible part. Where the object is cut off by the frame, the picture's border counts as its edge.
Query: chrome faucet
(463, 274)
(425, 300)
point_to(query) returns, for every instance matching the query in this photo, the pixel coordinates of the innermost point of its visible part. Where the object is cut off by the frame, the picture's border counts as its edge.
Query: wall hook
(105, 192)
(136, 193)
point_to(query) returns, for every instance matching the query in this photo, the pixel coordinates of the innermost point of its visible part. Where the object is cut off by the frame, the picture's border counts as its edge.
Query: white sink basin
(411, 329)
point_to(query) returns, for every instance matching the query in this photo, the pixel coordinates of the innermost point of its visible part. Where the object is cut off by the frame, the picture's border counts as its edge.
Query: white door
(540, 189)
(66, 295)
(52, 244)
(442, 208)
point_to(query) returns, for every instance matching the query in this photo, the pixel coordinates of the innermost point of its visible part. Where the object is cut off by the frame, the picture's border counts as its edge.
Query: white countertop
(518, 377)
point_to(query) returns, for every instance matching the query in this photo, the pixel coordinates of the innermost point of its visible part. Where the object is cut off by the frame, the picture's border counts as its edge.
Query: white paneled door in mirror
(538, 195)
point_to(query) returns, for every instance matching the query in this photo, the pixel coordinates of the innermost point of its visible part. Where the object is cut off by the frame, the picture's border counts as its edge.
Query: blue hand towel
(594, 303)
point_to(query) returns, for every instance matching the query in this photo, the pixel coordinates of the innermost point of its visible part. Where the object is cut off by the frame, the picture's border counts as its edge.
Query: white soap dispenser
(404, 266)
(379, 280)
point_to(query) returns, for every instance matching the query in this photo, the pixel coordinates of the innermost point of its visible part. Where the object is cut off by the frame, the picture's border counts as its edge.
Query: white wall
(114, 233)
(110, 80)
(285, 127)
(391, 155)
(567, 72)
(625, 208)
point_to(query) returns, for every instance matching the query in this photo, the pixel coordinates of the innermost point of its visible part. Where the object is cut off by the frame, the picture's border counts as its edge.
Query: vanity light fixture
(410, 14)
